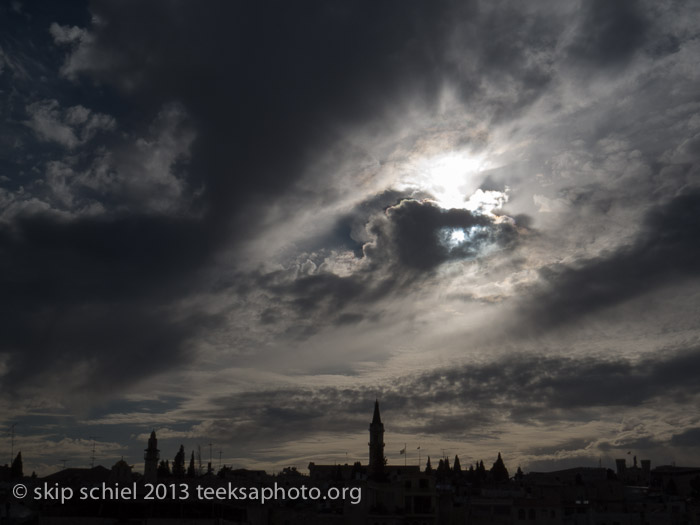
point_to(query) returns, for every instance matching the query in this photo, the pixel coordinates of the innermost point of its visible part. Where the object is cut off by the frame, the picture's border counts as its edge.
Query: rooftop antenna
(219, 459)
(92, 457)
(199, 458)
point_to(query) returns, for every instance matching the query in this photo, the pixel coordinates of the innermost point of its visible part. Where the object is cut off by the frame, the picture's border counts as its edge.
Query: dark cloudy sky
(240, 222)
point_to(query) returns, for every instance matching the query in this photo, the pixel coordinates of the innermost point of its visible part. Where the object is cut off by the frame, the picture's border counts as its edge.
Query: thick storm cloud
(406, 242)
(97, 296)
(665, 252)
(422, 234)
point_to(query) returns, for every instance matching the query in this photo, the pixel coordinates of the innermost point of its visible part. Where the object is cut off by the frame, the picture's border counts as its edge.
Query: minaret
(376, 445)
(151, 457)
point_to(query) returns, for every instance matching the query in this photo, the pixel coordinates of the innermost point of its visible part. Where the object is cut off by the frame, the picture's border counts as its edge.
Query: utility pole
(12, 443)
(92, 457)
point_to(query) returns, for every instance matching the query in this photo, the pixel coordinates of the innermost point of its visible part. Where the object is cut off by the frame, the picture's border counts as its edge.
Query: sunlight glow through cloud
(452, 179)
(457, 236)
(448, 177)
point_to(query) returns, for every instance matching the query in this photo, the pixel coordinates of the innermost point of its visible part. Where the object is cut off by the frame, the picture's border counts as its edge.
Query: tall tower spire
(376, 445)
(376, 418)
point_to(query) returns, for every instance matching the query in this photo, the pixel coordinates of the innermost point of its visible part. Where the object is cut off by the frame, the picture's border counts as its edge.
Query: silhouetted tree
(224, 471)
(456, 467)
(164, 469)
(191, 472)
(519, 474)
(16, 471)
(179, 463)
(356, 471)
(428, 467)
(441, 466)
(479, 474)
(290, 471)
(499, 472)
(447, 464)
(481, 470)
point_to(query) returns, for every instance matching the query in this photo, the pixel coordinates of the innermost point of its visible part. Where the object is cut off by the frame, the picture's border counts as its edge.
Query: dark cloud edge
(664, 253)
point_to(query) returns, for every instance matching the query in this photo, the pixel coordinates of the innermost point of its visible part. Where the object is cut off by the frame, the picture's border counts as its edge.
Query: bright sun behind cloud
(452, 180)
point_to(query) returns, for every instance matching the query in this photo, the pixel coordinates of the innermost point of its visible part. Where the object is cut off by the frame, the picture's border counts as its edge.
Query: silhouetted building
(633, 475)
(681, 481)
(376, 445)
(390, 495)
(121, 473)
